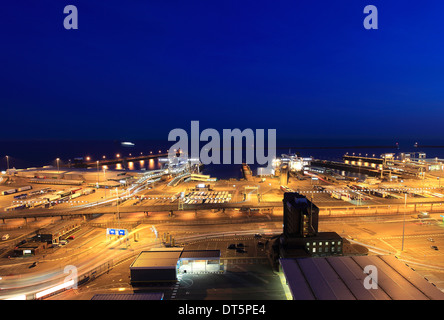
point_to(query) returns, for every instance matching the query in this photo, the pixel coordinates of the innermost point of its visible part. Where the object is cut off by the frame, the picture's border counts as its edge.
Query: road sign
(120, 232)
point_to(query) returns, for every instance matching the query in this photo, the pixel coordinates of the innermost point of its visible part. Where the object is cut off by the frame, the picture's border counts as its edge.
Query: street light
(97, 173)
(403, 224)
(7, 161)
(104, 178)
(58, 167)
(117, 205)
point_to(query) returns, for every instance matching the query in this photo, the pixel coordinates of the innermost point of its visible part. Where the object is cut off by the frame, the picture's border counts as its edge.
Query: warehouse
(347, 278)
(54, 233)
(155, 266)
(160, 265)
(29, 248)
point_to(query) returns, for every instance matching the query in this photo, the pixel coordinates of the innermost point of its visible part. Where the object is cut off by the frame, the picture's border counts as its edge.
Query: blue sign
(120, 232)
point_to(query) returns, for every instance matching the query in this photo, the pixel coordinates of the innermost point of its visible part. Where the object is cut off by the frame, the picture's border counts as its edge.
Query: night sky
(138, 69)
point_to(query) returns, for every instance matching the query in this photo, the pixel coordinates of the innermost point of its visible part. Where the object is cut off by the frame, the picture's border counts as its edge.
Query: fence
(96, 272)
(382, 209)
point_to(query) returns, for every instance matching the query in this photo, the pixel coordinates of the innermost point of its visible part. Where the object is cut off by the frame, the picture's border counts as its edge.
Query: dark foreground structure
(301, 237)
(129, 296)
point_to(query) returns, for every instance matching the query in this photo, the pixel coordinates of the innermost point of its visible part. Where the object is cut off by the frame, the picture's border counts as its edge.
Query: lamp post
(117, 205)
(403, 224)
(104, 178)
(58, 167)
(7, 161)
(97, 173)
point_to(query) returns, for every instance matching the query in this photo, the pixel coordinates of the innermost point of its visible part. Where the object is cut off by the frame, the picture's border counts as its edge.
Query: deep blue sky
(137, 69)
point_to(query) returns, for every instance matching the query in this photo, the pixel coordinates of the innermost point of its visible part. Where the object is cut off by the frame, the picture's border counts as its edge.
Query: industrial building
(371, 162)
(163, 265)
(50, 175)
(53, 234)
(29, 249)
(345, 278)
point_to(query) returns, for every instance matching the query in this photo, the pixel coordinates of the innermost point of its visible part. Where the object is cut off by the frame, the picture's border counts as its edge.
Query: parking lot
(250, 247)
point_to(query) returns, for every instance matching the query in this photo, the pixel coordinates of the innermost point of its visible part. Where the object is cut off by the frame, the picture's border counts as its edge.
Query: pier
(120, 159)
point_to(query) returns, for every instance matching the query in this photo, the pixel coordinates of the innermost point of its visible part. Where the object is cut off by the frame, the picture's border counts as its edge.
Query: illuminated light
(46, 292)
(19, 297)
(88, 158)
(118, 155)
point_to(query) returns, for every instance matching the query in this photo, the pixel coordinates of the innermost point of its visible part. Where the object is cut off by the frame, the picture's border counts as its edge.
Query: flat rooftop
(167, 258)
(156, 259)
(342, 278)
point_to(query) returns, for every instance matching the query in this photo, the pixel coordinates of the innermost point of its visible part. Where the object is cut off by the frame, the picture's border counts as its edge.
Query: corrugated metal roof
(59, 226)
(342, 278)
(126, 296)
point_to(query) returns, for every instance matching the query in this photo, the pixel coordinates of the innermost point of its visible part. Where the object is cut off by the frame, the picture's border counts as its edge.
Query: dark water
(24, 154)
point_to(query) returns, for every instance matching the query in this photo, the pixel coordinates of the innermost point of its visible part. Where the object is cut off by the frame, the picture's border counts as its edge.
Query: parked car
(5, 237)
(231, 246)
(240, 250)
(434, 247)
(240, 245)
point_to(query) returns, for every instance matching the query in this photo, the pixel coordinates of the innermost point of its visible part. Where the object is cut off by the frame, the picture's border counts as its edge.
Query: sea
(37, 153)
